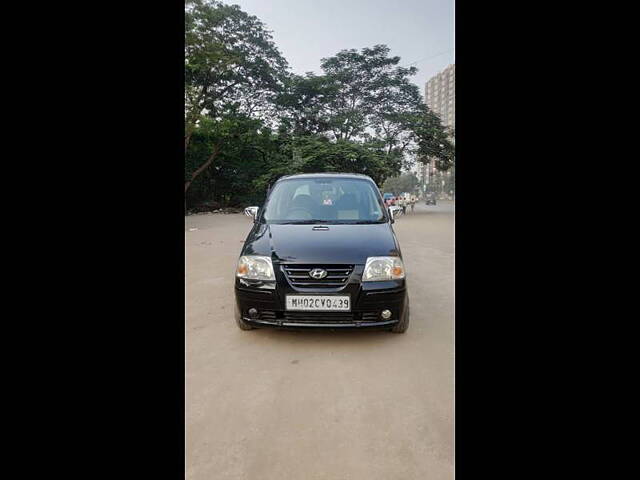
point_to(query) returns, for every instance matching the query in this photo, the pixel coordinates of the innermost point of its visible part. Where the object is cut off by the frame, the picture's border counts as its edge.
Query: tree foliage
(248, 120)
(231, 63)
(313, 154)
(407, 182)
(233, 71)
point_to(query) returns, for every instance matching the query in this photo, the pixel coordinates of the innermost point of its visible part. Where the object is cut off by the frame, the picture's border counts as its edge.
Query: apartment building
(440, 95)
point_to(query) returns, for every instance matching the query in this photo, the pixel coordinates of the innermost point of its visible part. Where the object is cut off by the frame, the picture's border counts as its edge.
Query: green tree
(249, 121)
(313, 154)
(249, 149)
(232, 68)
(305, 104)
(407, 182)
(365, 96)
(434, 141)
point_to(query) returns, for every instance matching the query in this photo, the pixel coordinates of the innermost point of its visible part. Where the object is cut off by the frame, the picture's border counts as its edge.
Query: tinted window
(332, 200)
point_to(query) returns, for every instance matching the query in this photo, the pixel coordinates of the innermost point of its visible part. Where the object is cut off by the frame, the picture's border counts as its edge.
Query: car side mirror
(252, 212)
(394, 212)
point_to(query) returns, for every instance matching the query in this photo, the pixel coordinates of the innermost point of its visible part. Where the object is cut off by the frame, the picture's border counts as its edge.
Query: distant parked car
(430, 198)
(389, 199)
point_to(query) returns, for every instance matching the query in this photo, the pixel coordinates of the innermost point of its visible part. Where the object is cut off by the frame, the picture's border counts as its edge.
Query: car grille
(337, 275)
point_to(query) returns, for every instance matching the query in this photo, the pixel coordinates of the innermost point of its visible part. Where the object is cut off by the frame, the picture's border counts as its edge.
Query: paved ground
(265, 404)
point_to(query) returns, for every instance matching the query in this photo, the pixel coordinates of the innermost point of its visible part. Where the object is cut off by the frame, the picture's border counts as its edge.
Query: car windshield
(324, 200)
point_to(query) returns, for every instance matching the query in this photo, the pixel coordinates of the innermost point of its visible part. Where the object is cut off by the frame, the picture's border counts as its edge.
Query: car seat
(299, 203)
(348, 208)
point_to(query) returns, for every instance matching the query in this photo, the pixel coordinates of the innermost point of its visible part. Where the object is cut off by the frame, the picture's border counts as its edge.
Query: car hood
(339, 244)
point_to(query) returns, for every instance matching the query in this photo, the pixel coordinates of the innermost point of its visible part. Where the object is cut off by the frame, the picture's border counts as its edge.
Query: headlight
(255, 268)
(378, 269)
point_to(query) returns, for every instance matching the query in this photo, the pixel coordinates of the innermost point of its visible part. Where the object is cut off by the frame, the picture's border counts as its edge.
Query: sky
(420, 32)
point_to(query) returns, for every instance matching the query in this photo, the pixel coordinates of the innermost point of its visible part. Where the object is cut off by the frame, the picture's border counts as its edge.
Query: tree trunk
(202, 168)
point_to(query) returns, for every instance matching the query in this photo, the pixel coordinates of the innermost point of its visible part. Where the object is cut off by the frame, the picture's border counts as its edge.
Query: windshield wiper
(332, 222)
(303, 222)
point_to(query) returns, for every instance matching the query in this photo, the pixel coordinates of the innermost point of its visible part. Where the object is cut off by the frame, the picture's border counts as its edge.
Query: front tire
(403, 324)
(242, 325)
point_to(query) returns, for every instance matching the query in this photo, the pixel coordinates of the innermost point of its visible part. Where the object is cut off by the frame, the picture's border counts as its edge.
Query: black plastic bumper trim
(285, 323)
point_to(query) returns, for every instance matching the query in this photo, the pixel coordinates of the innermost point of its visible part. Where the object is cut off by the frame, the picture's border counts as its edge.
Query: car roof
(326, 174)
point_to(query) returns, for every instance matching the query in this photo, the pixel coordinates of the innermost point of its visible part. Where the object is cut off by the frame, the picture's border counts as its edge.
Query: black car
(322, 254)
(430, 198)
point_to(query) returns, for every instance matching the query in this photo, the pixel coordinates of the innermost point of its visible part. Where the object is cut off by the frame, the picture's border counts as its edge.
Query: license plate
(319, 303)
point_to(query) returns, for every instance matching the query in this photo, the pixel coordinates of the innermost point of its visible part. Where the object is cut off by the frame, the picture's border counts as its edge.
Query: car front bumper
(368, 300)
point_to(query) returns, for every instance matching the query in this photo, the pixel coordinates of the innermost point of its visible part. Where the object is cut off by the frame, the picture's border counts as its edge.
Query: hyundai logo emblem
(318, 273)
